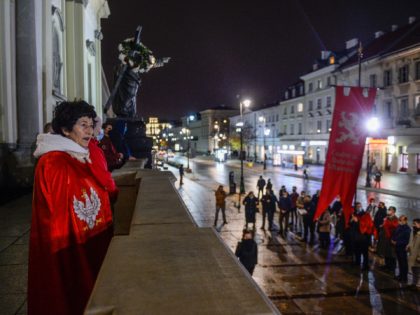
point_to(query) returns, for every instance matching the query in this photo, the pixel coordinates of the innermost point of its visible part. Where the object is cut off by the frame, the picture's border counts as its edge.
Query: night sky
(222, 49)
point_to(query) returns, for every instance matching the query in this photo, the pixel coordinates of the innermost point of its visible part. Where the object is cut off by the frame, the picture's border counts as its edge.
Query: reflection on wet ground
(298, 278)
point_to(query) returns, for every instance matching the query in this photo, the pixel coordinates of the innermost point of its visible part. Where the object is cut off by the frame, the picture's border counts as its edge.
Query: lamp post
(262, 120)
(188, 131)
(245, 103)
(372, 125)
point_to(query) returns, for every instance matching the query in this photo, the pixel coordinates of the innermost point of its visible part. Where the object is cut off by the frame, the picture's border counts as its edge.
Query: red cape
(390, 226)
(70, 232)
(366, 225)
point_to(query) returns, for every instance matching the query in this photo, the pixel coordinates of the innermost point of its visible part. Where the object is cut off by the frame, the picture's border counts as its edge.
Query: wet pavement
(299, 278)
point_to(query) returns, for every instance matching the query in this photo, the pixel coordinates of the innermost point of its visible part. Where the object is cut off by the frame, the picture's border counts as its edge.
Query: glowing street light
(245, 103)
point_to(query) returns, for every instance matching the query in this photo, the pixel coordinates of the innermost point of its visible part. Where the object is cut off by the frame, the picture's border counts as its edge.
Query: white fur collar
(47, 142)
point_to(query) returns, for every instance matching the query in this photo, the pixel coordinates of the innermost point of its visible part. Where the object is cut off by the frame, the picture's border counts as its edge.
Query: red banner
(345, 149)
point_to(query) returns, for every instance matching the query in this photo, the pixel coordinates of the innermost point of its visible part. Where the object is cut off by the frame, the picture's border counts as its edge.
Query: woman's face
(82, 131)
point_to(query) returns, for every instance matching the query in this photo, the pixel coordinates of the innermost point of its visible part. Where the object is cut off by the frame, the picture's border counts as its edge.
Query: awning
(414, 148)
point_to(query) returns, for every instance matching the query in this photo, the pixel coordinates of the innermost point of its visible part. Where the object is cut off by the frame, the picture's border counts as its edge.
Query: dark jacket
(261, 183)
(285, 203)
(380, 215)
(402, 235)
(336, 207)
(250, 208)
(269, 203)
(247, 252)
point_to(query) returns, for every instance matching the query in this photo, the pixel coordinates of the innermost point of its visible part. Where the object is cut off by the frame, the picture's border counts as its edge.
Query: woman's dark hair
(66, 115)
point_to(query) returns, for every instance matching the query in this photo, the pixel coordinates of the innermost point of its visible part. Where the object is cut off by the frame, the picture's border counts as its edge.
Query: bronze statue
(136, 59)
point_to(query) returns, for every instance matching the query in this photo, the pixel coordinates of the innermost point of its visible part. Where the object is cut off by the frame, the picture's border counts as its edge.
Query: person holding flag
(362, 229)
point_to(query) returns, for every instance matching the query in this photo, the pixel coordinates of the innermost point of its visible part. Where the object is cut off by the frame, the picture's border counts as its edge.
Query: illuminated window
(300, 107)
(332, 60)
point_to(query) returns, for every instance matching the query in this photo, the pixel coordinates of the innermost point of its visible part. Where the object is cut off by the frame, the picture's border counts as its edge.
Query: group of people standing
(376, 228)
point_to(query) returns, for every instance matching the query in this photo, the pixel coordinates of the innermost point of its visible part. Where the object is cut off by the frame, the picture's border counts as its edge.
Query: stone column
(28, 88)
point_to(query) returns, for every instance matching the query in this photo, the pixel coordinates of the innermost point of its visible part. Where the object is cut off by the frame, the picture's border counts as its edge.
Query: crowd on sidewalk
(375, 228)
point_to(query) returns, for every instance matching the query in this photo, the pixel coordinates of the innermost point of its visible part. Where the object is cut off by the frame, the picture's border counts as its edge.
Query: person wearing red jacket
(361, 229)
(385, 248)
(113, 158)
(71, 223)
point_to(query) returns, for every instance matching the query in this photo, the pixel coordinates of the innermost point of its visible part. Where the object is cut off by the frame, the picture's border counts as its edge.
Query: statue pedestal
(129, 137)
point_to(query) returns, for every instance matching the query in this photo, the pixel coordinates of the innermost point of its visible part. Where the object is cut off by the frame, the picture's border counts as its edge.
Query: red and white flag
(353, 106)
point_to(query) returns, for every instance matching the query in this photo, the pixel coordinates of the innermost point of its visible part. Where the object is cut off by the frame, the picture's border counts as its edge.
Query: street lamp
(262, 120)
(372, 125)
(245, 103)
(188, 131)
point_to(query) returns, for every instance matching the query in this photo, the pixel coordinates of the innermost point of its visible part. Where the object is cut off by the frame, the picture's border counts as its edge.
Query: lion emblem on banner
(350, 128)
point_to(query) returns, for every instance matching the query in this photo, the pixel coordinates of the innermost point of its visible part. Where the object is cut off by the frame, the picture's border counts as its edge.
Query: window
(277, 117)
(319, 103)
(286, 95)
(318, 126)
(311, 126)
(404, 112)
(292, 109)
(417, 74)
(319, 84)
(299, 128)
(293, 93)
(328, 105)
(310, 87)
(387, 78)
(300, 107)
(403, 74)
(329, 81)
(372, 80)
(417, 104)
(328, 126)
(285, 129)
(388, 108)
(292, 129)
(300, 89)
(310, 105)
(285, 110)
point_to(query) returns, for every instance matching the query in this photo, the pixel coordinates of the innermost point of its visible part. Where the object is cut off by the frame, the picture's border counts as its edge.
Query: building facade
(50, 51)
(300, 124)
(208, 130)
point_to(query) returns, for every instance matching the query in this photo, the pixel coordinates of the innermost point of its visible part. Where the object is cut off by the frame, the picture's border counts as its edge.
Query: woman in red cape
(71, 215)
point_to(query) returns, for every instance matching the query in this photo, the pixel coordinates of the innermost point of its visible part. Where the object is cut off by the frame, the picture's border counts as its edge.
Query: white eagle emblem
(89, 210)
(351, 125)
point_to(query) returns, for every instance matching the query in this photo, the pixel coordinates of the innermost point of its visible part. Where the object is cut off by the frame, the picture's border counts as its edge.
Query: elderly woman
(71, 215)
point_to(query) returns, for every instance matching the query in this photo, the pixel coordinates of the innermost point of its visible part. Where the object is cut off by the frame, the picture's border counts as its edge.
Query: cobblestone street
(298, 278)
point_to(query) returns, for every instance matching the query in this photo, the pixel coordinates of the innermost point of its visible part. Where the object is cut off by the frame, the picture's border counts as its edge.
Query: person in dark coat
(285, 205)
(401, 239)
(250, 202)
(181, 174)
(260, 186)
(269, 202)
(385, 248)
(269, 185)
(308, 220)
(380, 215)
(293, 211)
(247, 251)
(338, 217)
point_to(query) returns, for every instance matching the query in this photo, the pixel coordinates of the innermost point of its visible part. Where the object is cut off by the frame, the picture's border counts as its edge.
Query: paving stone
(10, 304)
(14, 255)
(13, 279)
